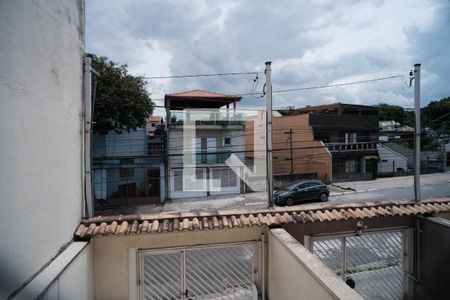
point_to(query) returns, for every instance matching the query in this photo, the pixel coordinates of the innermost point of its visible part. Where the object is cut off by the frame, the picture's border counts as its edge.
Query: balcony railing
(229, 117)
(363, 146)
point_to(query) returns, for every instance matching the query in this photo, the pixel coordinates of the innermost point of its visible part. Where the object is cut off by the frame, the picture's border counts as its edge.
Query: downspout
(87, 128)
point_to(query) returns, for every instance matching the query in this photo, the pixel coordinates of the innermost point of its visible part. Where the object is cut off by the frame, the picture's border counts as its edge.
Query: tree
(121, 101)
(389, 112)
(435, 113)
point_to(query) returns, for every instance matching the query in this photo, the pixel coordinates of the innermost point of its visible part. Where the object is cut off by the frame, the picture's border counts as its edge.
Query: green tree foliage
(435, 113)
(389, 112)
(121, 101)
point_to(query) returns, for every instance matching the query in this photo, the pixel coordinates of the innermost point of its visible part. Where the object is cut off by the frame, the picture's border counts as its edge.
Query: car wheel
(290, 201)
(323, 197)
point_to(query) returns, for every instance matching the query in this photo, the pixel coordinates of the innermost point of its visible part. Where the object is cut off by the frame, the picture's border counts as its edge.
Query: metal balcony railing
(229, 117)
(362, 146)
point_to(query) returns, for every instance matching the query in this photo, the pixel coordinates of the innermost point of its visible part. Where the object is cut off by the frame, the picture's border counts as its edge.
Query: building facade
(129, 167)
(202, 132)
(350, 132)
(296, 155)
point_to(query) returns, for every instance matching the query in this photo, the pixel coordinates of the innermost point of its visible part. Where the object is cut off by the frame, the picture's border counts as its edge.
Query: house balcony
(207, 119)
(351, 147)
(343, 121)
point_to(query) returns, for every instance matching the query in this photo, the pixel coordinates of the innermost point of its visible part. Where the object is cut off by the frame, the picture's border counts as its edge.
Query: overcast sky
(310, 43)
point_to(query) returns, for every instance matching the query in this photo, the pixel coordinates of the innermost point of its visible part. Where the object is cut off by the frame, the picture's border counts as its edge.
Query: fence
(219, 272)
(372, 263)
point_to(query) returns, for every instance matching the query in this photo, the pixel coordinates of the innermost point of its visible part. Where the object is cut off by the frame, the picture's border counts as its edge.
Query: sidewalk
(259, 199)
(211, 203)
(341, 188)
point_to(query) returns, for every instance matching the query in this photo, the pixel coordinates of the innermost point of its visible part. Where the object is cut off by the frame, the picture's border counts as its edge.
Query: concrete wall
(112, 253)
(309, 156)
(77, 281)
(390, 160)
(433, 259)
(295, 273)
(41, 72)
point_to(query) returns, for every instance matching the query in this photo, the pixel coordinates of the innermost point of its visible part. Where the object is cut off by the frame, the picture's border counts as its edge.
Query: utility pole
(269, 132)
(417, 132)
(291, 150)
(444, 155)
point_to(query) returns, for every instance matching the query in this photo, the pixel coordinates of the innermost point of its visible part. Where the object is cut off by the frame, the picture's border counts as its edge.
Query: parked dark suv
(302, 191)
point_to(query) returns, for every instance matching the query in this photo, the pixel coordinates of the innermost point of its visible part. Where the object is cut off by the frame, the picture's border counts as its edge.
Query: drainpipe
(87, 129)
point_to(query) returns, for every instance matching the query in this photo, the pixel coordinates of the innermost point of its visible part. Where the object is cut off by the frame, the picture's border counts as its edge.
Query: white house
(215, 130)
(390, 161)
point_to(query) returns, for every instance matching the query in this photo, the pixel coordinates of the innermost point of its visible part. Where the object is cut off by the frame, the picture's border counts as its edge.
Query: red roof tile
(324, 212)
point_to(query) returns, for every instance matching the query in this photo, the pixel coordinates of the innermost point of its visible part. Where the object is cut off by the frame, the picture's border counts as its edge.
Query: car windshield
(293, 186)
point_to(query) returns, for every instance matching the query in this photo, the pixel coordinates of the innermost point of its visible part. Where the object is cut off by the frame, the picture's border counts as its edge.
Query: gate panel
(330, 253)
(220, 272)
(161, 276)
(373, 262)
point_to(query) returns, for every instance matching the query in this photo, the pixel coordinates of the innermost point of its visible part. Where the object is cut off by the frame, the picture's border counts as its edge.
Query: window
(227, 178)
(154, 149)
(227, 141)
(178, 180)
(350, 137)
(206, 150)
(126, 172)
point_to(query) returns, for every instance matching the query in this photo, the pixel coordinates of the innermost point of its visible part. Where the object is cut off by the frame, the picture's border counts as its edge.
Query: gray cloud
(310, 43)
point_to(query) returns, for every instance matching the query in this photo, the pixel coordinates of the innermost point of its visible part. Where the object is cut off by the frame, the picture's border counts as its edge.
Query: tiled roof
(155, 119)
(202, 94)
(173, 222)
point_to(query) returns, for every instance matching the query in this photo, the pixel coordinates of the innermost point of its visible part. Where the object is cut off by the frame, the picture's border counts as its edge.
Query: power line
(203, 75)
(253, 93)
(329, 86)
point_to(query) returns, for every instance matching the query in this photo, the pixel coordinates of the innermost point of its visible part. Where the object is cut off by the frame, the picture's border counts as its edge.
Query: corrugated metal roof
(201, 220)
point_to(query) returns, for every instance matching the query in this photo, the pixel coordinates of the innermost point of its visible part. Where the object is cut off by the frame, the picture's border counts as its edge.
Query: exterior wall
(312, 280)
(112, 253)
(434, 261)
(309, 156)
(176, 148)
(41, 75)
(390, 161)
(109, 149)
(133, 143)
(77, 281)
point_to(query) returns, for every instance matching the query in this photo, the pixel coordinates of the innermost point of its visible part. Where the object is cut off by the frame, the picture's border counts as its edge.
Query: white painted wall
(295, 273)
(390, 160)
(75, 282)
(216, 134)
(41, 71)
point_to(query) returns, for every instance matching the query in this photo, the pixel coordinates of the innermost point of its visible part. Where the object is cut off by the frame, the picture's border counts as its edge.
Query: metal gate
(219, 272)
(373, 263)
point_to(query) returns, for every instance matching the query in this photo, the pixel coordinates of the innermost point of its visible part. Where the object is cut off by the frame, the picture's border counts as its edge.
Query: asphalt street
(437, 190)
